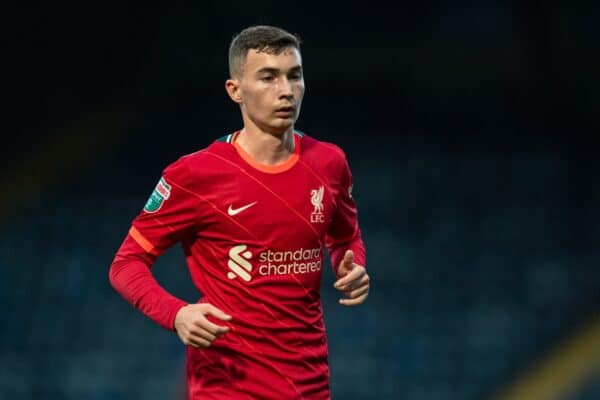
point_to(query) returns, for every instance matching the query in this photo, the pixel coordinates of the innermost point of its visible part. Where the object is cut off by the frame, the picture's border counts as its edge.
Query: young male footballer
(253, 212)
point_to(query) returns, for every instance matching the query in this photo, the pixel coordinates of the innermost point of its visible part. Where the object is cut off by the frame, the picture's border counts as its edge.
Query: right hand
(194, 329)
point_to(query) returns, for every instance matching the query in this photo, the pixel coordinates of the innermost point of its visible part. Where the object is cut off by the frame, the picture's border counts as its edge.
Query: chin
(281, 126)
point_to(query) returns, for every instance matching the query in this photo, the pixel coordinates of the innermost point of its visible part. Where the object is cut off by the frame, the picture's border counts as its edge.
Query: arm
(345, 245)
(131, 277)
(169, 216)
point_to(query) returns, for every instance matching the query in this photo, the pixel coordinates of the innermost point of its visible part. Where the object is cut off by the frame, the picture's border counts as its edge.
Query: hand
(353, 281)
(194, 329)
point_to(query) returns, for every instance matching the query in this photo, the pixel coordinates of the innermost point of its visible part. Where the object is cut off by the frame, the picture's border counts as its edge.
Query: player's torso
(265, 228)
(281, 220)
(258, 255)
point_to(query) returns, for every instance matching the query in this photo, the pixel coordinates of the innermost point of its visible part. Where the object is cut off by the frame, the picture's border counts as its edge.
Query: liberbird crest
(316, 198)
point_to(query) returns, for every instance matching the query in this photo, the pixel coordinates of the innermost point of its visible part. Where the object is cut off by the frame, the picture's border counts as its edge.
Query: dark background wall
(470, 129)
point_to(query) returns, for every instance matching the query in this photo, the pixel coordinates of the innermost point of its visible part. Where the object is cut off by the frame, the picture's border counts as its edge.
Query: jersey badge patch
(161, 193)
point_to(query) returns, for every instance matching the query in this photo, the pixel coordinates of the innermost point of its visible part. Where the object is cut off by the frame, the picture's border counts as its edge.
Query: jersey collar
(269, 169)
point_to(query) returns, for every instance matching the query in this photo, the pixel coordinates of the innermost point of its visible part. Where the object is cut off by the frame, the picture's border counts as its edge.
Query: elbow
(115, 276)
(112, 275)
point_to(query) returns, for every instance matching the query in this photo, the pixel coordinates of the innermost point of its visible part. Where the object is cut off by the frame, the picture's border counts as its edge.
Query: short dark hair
(265, 38)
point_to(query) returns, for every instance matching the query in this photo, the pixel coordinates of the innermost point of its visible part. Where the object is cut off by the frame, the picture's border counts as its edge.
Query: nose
(285, 88)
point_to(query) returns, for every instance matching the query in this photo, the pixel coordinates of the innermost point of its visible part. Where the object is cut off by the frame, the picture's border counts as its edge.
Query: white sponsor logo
(239, 266)
(234, 211)
(316, 198)
(291, 262)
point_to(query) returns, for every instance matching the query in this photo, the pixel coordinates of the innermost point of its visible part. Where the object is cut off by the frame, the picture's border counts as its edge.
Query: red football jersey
(253, 237)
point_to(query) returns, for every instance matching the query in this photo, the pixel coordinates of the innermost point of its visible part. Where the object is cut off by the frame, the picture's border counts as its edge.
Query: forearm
(131, 277)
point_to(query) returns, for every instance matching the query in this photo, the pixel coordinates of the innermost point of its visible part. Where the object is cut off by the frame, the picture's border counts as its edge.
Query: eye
(296, 76)
(267, 78)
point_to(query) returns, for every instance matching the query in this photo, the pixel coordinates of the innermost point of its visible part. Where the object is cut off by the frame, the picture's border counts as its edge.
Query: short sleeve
(170, 214)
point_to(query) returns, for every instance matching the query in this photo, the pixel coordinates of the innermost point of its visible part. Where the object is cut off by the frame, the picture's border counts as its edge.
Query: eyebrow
(276, 70)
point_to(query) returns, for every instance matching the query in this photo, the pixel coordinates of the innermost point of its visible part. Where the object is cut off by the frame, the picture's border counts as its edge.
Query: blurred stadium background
(470, 130)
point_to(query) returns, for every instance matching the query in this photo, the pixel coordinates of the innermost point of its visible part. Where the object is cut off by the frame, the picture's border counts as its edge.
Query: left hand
(353, 281)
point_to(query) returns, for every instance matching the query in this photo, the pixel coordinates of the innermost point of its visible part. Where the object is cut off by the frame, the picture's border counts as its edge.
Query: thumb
(346, 264)
(349, 257)
(215, 312)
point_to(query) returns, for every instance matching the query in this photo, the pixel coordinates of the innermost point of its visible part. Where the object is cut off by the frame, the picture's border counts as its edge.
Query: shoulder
(326, 153)
(195, 165)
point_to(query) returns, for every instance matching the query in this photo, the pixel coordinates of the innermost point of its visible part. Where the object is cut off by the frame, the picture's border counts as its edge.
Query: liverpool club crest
(316, 198)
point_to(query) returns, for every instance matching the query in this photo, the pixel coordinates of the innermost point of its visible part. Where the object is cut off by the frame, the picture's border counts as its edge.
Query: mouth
(285, 111)
(288, 108)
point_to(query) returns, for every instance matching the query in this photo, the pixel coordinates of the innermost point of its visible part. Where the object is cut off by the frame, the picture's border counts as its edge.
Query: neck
(267, 148)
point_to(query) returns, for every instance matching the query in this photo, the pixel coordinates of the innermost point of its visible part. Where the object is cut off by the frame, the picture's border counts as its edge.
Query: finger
(354, 287)
(217, 313)
(198, 343)
(203, 334)
(353, 302)
(356, 284)
(357, 292)
(354, 274)
(210, 327)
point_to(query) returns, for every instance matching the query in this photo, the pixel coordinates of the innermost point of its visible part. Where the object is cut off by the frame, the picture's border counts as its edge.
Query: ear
(232, 86)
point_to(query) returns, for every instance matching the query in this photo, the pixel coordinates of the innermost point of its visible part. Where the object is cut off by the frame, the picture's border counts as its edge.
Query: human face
(270, 89)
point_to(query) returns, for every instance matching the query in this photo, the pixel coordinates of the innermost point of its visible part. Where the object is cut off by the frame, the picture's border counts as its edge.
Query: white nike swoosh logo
(234, 211)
